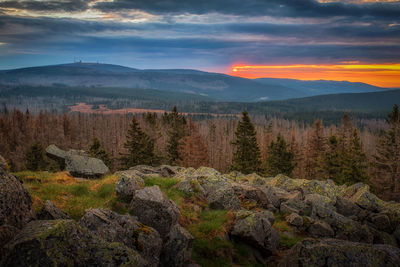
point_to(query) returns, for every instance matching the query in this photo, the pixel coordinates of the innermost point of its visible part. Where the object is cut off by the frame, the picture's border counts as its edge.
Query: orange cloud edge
(383, 75)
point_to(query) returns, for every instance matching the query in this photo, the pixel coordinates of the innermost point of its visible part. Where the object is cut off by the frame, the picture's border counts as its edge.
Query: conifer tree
(298, 158)
(345, 130)
(192, 148)
(279, 158)
(332, 165)
(314, 154)
(35, 158)
(140, 147)
(176, 133)
(354, 162)
(246, 157)
(387, 158)
(97, 151)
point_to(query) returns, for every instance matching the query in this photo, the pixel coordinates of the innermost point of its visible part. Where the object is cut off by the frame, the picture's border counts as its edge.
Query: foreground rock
(86, 167)
(153, 208)
(50, 211)
(15, 205)
(162, 171)
(7, 232)
(78, 163)
(15, 200)
(57, 154)
(333, 252)
(254, 228)
(178, 248)
(124, 229)
(217, 189)
(128, 183)
(295, 220)
(65, 243)
(252, 193)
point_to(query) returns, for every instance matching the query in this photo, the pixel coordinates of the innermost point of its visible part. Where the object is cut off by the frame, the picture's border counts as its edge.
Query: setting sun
(384, 75)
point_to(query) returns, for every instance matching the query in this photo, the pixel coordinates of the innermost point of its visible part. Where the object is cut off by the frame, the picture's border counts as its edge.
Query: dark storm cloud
(335, 32)
(215, 50)
(322, 31)
(71, 5)
(44, 28)
(278, 8)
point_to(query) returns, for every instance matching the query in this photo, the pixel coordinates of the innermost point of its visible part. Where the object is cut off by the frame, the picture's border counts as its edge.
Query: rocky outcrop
(153, 208)
(65, 243)
(256, 194)
(162, 171)
(346, 207)
(128, 183)
(293, 203)
(217, 189)
(254, 228)
(7, 232)
(124, 229)
(320, 229)
(178, 248)
(86, 167)
(15, 205)
(15, 200)
(276, 195)
(333, 252)
(78, 163)
(57, 154)
(366, 200)
(50, 211)
(362, 230)
(295, 220)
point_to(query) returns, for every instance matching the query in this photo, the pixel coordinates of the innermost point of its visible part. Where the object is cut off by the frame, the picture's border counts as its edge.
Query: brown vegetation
(209, 141)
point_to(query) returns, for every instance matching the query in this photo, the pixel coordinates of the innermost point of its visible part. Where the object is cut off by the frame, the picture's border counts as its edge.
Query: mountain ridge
(221, 87)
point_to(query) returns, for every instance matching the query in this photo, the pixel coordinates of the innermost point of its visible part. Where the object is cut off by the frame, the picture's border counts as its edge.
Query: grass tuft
(72, 195)
(289, 237)
(106, 190)
(167, 186)
(79, 190)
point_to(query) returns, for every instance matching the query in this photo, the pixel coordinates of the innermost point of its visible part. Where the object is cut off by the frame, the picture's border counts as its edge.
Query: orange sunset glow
(384, 75)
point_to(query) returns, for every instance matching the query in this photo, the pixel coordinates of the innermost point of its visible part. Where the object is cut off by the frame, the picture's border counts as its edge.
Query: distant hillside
(118, 87)
(63, 91)
(59, 97)
(321, 87)
(214, 85)
(328, 107)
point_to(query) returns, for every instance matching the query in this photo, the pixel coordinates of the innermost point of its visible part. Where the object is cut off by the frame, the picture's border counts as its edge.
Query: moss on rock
(65, 243)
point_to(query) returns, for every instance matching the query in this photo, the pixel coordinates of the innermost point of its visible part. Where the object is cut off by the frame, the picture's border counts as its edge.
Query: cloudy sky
(356, 40)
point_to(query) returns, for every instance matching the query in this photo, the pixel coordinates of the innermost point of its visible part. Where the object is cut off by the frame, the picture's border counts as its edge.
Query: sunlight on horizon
(384, 75)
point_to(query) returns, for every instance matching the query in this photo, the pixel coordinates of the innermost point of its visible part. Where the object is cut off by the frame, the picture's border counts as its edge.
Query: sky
(354, 40)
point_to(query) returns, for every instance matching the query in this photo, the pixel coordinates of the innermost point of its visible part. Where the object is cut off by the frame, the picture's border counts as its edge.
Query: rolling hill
(213, 85)
(220, 87)
(321, 87)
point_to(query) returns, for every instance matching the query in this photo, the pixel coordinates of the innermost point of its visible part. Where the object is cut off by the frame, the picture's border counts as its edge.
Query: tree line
(345, 153)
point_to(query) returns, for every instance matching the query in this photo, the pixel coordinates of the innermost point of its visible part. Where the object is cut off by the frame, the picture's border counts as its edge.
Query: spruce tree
(279, 158)
(140, 147)
(177, 131)
(332, 164)
(354, 162)
(246, 157)
(387, 158)
(316, 145)
(97, 151)
(35, 158)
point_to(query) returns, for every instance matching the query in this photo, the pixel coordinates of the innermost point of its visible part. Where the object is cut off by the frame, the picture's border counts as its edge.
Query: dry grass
(70, 194)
